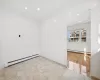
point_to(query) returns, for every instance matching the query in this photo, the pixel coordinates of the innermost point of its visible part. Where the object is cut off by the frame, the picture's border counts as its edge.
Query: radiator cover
(21, 60)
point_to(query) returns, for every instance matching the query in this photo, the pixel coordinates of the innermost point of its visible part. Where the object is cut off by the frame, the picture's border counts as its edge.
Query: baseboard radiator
(21, 60)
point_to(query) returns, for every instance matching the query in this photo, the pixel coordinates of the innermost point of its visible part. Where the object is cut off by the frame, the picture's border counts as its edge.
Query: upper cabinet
(83, 35)
(77, 35)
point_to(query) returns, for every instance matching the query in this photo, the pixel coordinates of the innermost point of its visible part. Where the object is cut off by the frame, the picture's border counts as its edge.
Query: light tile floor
(36, 69)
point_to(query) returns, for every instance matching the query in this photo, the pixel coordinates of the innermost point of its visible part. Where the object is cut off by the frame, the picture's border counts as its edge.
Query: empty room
(49, 39)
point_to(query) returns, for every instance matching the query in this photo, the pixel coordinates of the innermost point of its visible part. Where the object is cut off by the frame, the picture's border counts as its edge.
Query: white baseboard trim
(10, 63)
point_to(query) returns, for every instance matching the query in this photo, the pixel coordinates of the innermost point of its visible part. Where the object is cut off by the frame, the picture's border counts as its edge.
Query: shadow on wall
(95, 65)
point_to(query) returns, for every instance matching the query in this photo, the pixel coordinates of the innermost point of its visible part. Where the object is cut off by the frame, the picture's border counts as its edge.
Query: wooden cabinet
(77, 57)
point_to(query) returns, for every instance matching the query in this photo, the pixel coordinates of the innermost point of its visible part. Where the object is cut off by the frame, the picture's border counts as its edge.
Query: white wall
(95, 60)
(53, 40)
(1, 62)
(11, 46)
(81, 45)
(95, 21)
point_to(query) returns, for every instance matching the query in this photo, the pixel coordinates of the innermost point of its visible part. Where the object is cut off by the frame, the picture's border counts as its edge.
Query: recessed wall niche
(78, 37)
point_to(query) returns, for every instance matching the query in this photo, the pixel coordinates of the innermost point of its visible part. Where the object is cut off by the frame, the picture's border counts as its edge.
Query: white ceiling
(48, 8)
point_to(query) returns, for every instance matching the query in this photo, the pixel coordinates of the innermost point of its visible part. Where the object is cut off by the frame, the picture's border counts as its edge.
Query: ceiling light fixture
(95, 4)
(78, 14)
(25, 8)
(38, 9)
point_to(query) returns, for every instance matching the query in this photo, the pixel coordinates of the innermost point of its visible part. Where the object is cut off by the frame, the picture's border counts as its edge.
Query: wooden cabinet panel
(77, 57)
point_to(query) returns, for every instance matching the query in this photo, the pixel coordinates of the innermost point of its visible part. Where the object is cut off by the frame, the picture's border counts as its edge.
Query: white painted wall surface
(1, 32)
(11, 45)
(79, 46)
(53, 40)
(1, 62)
(95, 60)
